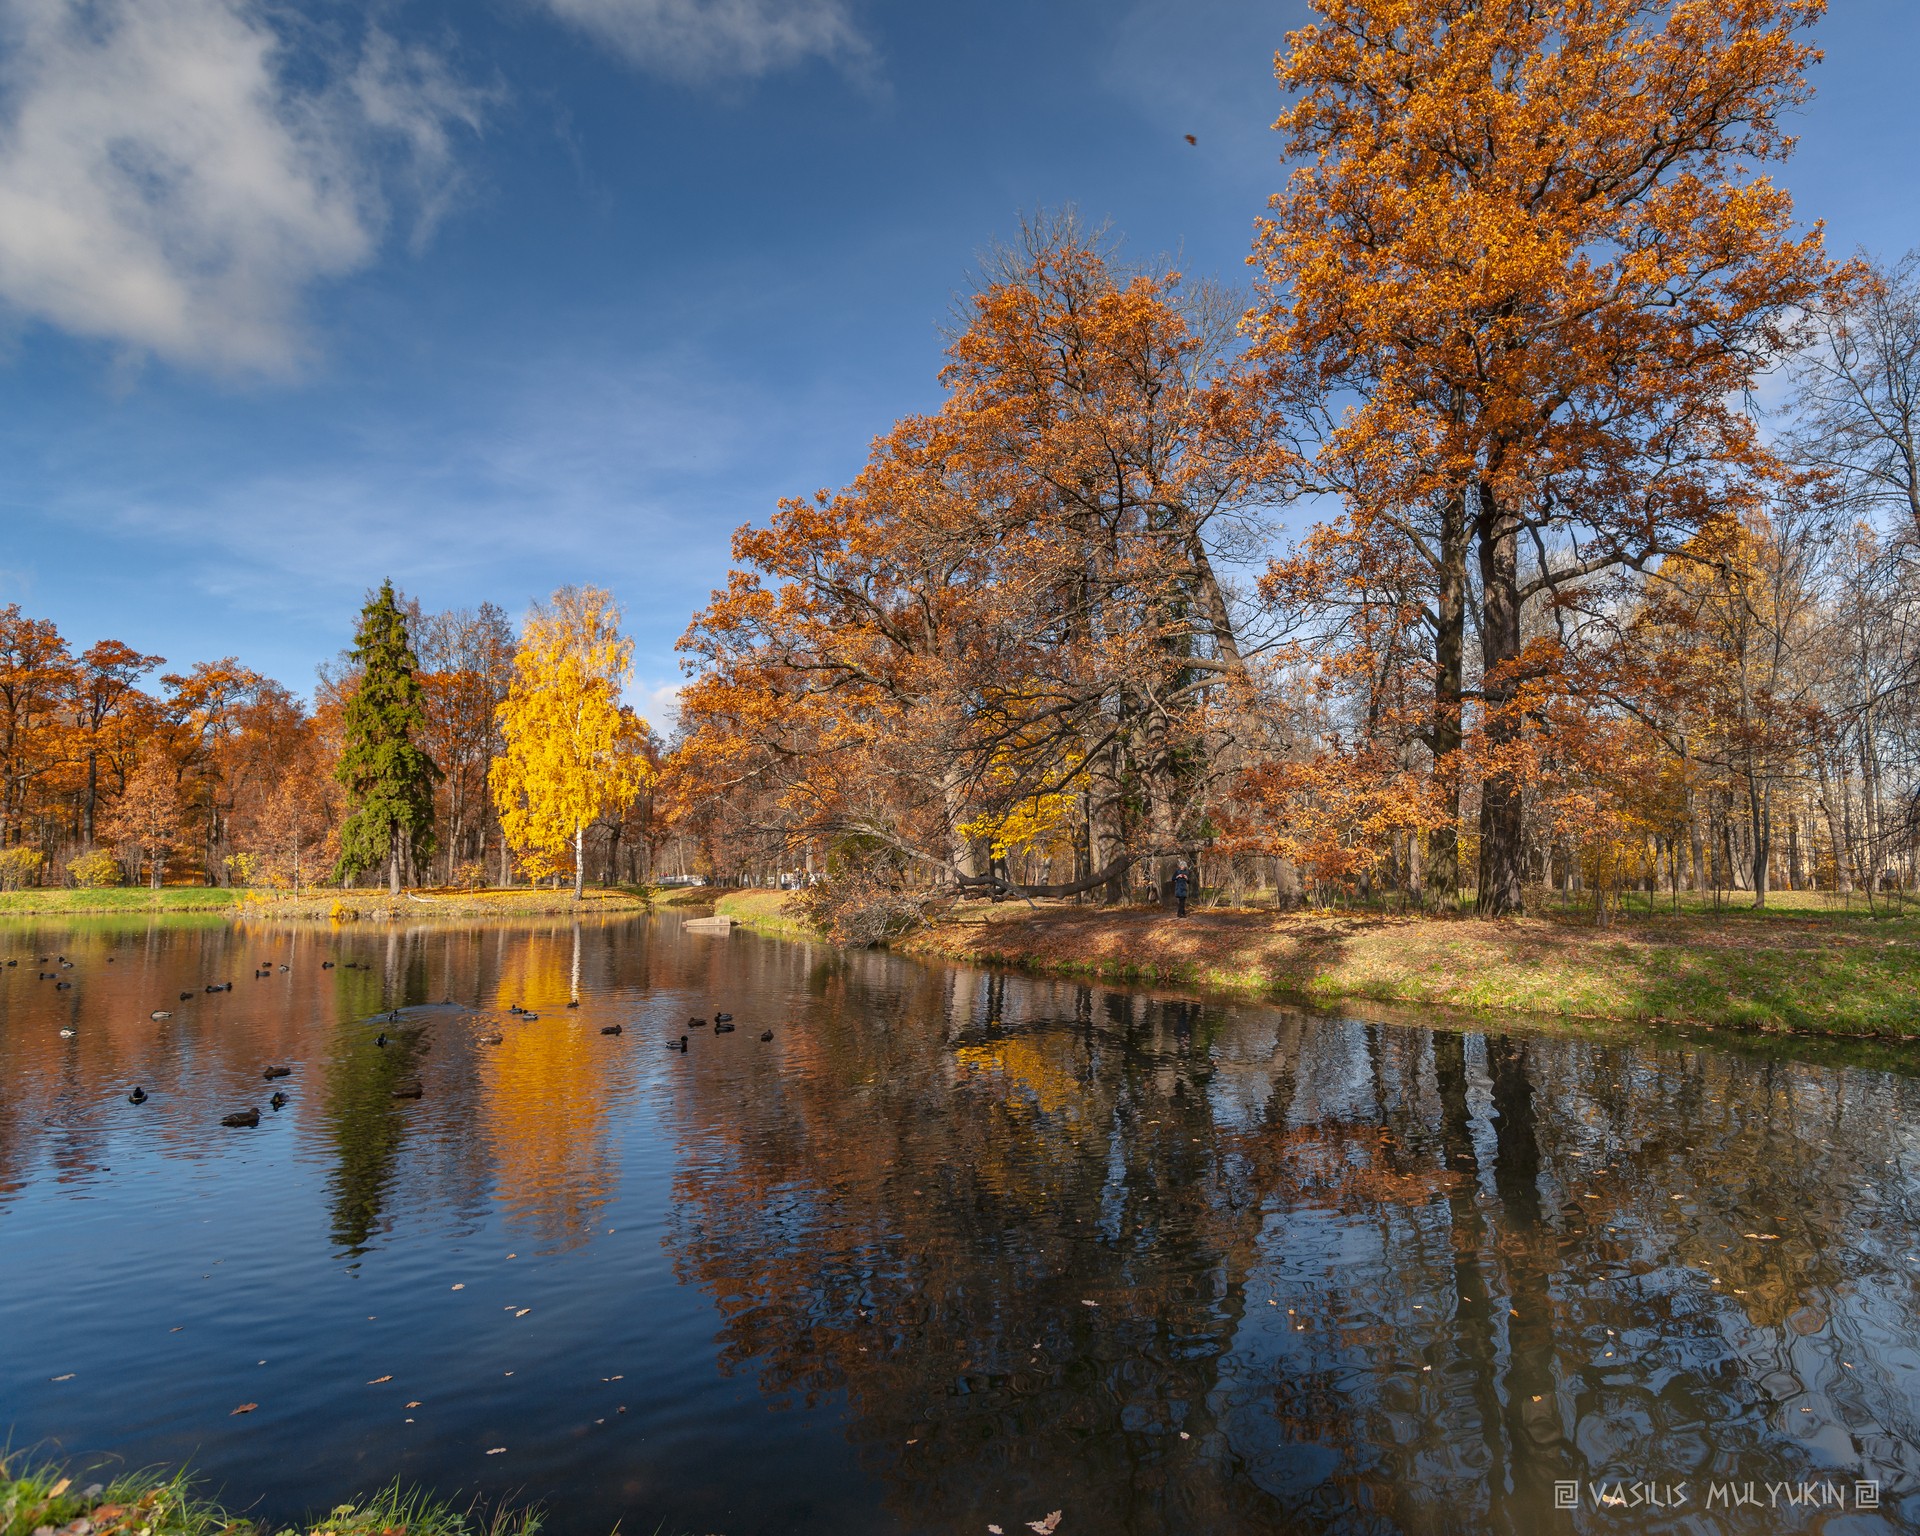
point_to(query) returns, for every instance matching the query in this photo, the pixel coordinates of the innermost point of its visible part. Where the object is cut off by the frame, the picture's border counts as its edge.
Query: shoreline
(338, 905)
(1791, 971)
(110, 1502)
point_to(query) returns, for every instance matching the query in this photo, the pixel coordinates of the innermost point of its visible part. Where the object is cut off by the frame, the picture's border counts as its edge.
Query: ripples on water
(952, 1249)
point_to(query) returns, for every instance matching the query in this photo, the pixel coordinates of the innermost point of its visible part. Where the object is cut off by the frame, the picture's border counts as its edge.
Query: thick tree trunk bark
(393, 868)
(1105, 834)
(1449, 652)
(1502, 828)
(579, 862)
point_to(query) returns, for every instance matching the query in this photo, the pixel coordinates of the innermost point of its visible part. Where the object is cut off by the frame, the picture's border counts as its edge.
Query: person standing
(1180, 882)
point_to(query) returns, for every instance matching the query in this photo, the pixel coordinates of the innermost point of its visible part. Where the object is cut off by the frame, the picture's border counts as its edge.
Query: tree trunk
(1449, 652)
(1105, 835)
(393, 868)
(1502, 826)
(1760, 815)
(579, 862)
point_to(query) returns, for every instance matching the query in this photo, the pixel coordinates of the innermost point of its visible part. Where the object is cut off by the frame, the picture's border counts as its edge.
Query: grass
(118, 1503)
(765, 912)
(53, 902)
(364, 903)
(1802, 967)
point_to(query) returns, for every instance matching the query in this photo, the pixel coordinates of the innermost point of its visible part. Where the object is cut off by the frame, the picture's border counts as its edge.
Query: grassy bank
(765, 912)
(415, 905)
(374, 905)
(126, 898)
(1800, 968)
(117, 1503)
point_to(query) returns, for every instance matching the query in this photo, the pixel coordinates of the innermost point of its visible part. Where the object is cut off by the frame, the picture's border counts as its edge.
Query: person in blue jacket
(1180, 883)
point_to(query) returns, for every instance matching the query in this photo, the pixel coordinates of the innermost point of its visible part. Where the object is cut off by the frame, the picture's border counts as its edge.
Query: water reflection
(991, 1246)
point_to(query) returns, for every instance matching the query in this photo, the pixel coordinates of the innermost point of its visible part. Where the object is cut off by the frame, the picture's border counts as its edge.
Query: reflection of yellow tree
(546, 1098)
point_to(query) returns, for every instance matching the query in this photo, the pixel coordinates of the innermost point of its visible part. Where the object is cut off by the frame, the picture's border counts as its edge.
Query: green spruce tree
(389, 779)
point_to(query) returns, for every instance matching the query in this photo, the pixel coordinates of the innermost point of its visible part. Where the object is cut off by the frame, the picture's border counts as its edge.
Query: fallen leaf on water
(461, 1287)
(523, 1312)
(995, 1530)
(244, 1408)
(68, 1377)
(1085, 1303)
(60, 1487)
(1045, 1527)
(413, 1405)
(378, 1379)
(498, 1450)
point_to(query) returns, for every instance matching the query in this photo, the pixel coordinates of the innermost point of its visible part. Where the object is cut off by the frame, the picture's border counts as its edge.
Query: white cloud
(713, 39)
(165, 186)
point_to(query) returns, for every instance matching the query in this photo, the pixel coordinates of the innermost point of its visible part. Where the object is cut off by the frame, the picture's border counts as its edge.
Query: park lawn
(765, 912)
(123, 898)
(519, 901)
(1800, 969)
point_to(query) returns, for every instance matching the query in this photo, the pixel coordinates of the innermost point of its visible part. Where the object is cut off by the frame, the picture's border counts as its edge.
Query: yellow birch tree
(573, 752)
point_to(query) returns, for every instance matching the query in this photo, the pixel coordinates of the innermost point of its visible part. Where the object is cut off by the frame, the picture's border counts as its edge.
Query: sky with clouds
(492, 295)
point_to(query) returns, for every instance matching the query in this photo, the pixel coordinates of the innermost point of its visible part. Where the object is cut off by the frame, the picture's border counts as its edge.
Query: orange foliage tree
(1523, 270)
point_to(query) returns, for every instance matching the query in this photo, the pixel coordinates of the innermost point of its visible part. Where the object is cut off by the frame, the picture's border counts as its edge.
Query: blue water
(953, 1249)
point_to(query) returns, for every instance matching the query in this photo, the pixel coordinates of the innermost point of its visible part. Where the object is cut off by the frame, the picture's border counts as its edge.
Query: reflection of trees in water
(1481, 1281)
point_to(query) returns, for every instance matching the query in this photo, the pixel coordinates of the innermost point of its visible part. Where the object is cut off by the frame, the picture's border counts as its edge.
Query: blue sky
(491, 295)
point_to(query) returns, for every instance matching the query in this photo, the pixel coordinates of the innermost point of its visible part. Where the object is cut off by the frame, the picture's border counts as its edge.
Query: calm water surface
(952, 1249)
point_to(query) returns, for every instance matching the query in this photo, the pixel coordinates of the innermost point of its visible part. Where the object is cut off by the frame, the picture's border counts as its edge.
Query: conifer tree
(388, 778)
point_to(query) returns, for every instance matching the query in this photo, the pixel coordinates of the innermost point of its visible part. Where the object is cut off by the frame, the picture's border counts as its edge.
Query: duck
(515, 1008)
(528, 1018)
(247, 1117)
(272, 1072)
(66, 1034)
(13, 962)
(61, 986)
(683, 1044)
(574, 1004)
(382, 1040)
(326, 965)
(393, 1016)
(492, 1039)
(286, 967)
(723, 1029)
(722, 1018)
(186, 997)
(697, 1023)
(278, 1101)
(611, 1029)
(408, 1091)
(138, 1096)
(766, 1036)
(161, 1013)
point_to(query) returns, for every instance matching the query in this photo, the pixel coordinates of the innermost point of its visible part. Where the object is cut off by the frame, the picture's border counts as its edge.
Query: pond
(952, 1250)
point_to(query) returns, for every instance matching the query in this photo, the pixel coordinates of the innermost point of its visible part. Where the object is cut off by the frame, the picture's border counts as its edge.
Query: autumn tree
(389, 779)
(149, 819)
(36, 673)
(466, 665)
(1526, 244)
(1014, 614)
(572, 751)
(107, 713)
